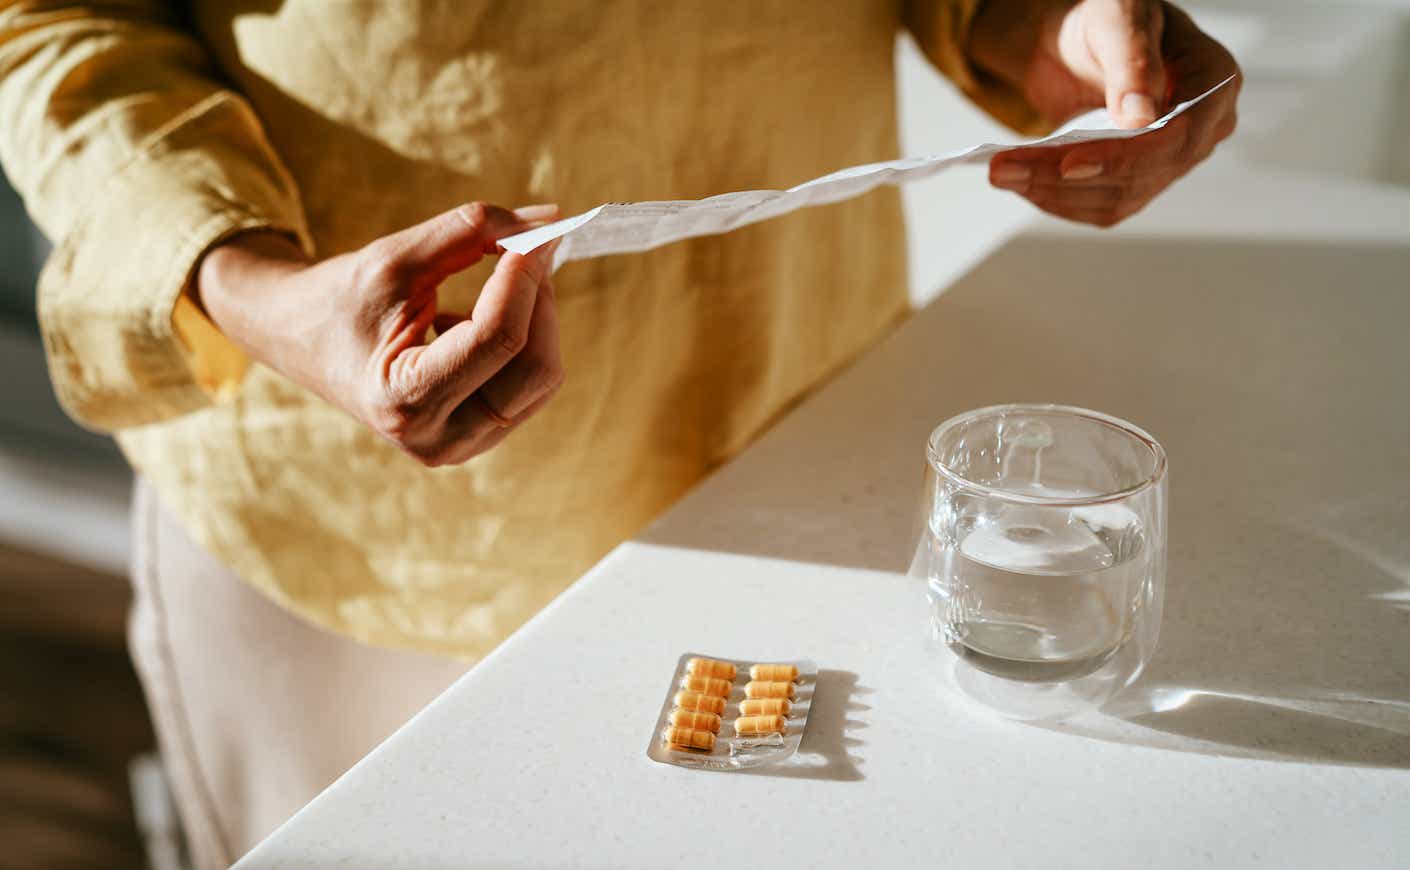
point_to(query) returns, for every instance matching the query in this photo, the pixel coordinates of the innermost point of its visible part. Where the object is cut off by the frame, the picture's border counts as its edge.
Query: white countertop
(1272, 729)
(1255, 322)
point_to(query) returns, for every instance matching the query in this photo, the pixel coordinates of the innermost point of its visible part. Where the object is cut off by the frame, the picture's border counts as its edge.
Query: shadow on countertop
(827, 749)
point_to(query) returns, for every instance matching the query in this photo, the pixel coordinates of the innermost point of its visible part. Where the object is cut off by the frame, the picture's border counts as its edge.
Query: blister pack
(729, 714)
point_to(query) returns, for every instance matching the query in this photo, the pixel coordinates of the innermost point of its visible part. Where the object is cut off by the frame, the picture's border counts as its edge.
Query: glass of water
(1044, 554)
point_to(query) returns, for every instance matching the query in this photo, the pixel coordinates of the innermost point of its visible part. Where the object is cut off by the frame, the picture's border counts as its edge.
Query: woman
(268, 285)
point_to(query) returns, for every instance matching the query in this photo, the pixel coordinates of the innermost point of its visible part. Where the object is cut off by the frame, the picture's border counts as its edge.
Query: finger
(461, 359)
(535, 372)
(470, 432)
(459, 238)
(1010, 173)
(1209, 123)
(531, 216)
(537, 214)
(1084, 197)
(1131, 193)
(1093, 163)
(1126, 43)
(1116, 158)
(1104, 211)
(1099, 217)
(1197, 62)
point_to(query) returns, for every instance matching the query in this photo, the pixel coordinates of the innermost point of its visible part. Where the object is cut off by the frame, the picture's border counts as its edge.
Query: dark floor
(71, 718)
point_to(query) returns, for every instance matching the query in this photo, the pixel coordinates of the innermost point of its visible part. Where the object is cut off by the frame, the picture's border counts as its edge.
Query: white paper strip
(625, 227)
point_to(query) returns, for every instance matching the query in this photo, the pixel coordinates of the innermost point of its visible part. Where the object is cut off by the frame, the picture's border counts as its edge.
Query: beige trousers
(256, 711)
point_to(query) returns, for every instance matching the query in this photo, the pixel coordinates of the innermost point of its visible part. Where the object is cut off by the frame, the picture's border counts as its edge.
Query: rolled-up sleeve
(134, 160)
(941, 28)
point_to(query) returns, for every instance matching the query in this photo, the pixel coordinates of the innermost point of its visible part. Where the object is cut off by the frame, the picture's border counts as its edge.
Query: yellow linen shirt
(140, 135)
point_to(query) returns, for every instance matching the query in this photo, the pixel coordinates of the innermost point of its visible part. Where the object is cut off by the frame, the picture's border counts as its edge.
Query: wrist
(236, 277)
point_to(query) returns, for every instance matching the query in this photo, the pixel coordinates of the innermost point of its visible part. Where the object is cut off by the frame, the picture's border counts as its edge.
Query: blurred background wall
(1328, 91)
(71, 713)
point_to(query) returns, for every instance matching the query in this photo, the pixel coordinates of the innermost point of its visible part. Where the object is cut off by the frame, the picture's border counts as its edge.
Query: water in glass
(1035, 595)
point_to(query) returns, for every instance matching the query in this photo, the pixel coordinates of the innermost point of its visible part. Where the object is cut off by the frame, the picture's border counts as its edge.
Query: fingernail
(536, 212)
(1138, 107)
(1012, 174)
(1081, 171)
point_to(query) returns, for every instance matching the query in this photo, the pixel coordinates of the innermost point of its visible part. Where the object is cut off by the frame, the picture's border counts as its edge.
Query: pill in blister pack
(774, 673)
(759, 726)
(711, 668)
(765, 707)
(706, 685)
(772, 689)
(697, 701)
(728, 714)
(696, 719)
(690, 738)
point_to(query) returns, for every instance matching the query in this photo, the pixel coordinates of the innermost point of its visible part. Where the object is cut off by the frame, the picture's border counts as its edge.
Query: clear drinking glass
(1044, 552)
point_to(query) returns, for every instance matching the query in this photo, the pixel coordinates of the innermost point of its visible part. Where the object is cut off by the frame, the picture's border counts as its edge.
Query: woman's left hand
(1136, 58)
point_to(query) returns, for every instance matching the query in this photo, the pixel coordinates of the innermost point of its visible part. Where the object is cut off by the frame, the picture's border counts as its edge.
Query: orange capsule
(765, 707)
(696, 719)
(762, 689)
(690, 738)
(706, 685)
(774, 673)
(711, 668)
(758, 726)
(702, 703)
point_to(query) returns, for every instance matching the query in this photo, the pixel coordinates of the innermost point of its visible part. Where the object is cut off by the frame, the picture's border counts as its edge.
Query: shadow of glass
(826, 751)
(1272, 371)
(1242, 727)
(1253, 668)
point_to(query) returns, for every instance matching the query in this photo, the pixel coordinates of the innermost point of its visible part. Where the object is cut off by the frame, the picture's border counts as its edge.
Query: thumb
(457, 239)
(1126, 44)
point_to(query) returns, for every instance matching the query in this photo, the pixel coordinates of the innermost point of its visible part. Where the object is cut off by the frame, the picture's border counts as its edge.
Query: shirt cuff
(126, 343)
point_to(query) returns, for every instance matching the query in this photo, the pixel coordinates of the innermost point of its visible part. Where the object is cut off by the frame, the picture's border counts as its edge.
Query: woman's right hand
(353, 328)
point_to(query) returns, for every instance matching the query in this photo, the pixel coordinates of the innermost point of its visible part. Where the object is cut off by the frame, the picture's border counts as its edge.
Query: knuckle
(431, 453)
(378, 264)
(508, 338)
(1139, 63)
(1227, 126)
(1186, 146)
(1184, 154)
(397, 426)
(475, 214)
(428, 457)
(398, 419)
(530, 270)
(1107, 218)
(547, 377)
(1145, 187)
